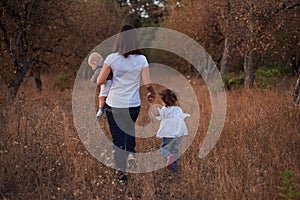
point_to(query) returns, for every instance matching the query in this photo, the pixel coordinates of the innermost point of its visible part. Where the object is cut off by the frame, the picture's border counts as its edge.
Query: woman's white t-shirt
(124, 91)
(172, 122)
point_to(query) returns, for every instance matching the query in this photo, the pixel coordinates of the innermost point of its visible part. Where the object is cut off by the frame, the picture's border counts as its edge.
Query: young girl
(172, 126)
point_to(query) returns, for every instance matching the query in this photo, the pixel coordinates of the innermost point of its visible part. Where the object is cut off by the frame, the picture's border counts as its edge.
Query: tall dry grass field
(42, 157)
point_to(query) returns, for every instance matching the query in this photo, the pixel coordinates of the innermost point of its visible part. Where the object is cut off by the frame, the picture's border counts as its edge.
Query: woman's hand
(150, 97)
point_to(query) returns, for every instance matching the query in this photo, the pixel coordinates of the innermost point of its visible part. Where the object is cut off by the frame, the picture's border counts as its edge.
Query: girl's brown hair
(127, 42)
(169, 97)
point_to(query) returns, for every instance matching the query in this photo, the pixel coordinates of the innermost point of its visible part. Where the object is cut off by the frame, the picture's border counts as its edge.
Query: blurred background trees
(241, 36)
(51, 35)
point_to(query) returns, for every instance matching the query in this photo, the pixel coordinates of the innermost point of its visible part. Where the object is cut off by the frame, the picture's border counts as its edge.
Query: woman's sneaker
(170, 161)
(132, 165)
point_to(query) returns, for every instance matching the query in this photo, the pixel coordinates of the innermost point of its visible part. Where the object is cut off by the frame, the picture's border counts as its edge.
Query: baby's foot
(100, 112)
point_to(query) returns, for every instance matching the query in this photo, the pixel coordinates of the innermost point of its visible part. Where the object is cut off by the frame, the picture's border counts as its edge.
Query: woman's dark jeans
(121, 124)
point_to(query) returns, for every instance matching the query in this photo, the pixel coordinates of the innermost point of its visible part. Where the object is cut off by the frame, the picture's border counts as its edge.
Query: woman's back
(124, 91)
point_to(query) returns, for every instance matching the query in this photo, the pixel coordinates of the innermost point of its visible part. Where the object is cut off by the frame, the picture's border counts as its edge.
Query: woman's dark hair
(169, 97)
(127, 42)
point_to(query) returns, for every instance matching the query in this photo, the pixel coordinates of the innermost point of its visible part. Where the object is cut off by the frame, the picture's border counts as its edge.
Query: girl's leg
(165, 149)
(175, 150)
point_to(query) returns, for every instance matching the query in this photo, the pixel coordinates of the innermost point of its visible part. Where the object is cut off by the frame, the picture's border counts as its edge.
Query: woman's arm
(154, 109)
(103, 74)
(147, 81)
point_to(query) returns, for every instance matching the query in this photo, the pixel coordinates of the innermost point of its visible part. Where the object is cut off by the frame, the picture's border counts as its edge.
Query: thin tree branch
(285, 7)
(41, 61)
(8, 41)
(52, 51)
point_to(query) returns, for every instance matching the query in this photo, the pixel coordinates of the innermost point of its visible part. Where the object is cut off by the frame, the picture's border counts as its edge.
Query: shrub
(62, 81)
(289, 189)
(233, 80)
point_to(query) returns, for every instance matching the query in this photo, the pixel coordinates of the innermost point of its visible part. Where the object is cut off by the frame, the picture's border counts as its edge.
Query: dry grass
(42, 157)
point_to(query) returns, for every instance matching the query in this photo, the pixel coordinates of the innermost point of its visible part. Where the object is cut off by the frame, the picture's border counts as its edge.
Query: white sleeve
(161, 112)
(184, 115)
(110, 59)
(144, 62)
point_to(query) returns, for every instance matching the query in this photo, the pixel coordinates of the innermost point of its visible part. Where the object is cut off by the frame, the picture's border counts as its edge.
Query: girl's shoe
(170, 161)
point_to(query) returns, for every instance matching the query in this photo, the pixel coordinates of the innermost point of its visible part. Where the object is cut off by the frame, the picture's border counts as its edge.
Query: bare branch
(41, 61)
(51, 50)
(7, 41)
(6, 38)
(285, 7)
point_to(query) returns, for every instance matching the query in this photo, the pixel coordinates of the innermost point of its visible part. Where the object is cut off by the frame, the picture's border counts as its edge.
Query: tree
(296, 93)
(145, 12)
(37, 34)
(20, 24)
(240, 33)
(200, 21)
(258, 22)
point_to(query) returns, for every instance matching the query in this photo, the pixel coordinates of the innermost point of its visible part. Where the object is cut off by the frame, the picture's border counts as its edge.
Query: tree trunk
(249, 70)
(226, 52)
(225, 57)
(296, 94)
(16, 82)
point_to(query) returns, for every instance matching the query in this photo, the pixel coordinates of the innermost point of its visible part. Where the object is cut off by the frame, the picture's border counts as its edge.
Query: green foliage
(266, 76)
(289, 188)
(62, 81)
(233, 80)
(265, 72)
(270, 74)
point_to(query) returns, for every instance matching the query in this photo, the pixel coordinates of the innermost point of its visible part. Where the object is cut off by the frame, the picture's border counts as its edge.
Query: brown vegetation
(42, 156)
(40, 35)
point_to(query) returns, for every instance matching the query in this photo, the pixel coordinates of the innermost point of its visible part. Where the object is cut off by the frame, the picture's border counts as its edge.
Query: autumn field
(42, 157)
(255, 45)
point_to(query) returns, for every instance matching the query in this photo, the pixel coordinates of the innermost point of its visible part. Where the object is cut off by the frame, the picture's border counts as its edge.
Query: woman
(128, 65)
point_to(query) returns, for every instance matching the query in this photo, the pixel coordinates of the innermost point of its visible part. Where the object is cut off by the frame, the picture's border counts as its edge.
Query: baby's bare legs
(102, 100)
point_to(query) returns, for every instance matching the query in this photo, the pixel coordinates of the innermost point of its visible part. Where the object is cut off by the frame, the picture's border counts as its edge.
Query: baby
(95, 61)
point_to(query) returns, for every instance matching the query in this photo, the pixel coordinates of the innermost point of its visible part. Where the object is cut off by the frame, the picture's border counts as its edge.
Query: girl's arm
(103, 74)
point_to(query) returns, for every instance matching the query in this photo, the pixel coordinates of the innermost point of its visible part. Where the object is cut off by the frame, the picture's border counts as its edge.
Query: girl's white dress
(172, 122)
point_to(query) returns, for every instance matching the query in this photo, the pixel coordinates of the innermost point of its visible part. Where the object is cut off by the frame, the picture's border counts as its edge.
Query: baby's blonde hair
(94, 60)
